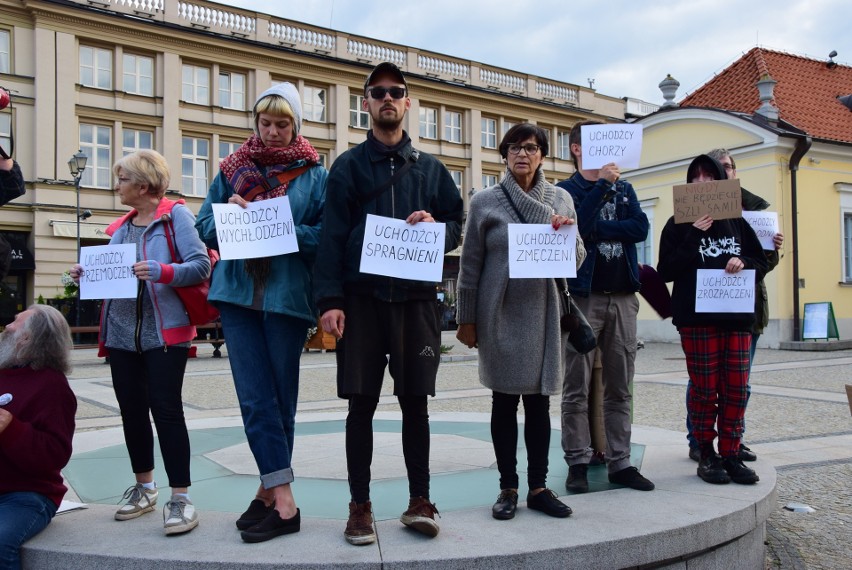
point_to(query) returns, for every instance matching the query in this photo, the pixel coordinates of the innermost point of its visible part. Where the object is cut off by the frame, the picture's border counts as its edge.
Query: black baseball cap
(385, 68)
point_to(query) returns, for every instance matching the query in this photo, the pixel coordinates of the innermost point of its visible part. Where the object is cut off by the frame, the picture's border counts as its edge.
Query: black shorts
(406, 336)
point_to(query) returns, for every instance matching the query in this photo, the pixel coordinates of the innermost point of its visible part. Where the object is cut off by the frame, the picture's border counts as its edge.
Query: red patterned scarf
(254, 162)
(250, 166)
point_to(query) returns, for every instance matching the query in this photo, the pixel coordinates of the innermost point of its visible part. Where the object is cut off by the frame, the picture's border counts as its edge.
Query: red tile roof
(806, 92)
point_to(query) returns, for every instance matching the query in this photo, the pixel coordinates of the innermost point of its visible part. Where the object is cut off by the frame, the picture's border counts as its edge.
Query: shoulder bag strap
(381, 188)
(274, 182)
(170, 231)
(512, 203)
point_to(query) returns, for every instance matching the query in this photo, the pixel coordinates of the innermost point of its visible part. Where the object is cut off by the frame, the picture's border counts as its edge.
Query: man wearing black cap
(388, 321)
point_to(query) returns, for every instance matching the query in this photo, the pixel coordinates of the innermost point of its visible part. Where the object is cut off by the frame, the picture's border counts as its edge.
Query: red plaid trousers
(718, 364)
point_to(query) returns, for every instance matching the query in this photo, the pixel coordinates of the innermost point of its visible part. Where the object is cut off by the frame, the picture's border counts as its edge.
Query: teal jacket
(289, 287)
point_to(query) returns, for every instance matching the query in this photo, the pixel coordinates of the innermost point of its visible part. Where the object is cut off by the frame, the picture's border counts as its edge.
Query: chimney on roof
(669, 87)
(766, 89)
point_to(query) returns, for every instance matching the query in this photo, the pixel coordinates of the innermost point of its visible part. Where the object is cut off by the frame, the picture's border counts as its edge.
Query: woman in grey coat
(515, 322)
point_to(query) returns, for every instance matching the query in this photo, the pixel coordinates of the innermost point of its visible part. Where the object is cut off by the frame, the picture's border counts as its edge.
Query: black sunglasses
(380, 92)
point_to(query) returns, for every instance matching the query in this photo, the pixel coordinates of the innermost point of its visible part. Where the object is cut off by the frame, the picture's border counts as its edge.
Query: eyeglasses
(530, 148)
(729, 167)
(380, 92)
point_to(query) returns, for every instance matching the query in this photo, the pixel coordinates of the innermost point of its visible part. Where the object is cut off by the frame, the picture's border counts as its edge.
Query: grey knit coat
(521, 346)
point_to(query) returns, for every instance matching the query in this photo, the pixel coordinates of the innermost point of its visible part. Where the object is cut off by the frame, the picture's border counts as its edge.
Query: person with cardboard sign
(714, 265)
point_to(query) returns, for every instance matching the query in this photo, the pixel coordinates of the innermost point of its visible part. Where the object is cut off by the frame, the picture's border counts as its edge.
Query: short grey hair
(720, 153)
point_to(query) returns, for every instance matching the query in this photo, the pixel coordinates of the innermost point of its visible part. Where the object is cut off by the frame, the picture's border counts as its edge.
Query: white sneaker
(139, 501)
(179, 516)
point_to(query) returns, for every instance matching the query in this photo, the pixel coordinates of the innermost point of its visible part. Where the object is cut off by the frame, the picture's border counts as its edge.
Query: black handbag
(573, 321)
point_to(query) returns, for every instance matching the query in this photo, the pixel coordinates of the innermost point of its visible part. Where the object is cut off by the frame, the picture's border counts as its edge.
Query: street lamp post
(77, 164)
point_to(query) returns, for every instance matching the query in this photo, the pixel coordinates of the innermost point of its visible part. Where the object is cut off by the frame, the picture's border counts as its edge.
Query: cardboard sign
(107, 272)
(396, 248)
(619, 143)
(537, 250)
(765, 225)
(720, 199)
(719, 292)
(263, 229)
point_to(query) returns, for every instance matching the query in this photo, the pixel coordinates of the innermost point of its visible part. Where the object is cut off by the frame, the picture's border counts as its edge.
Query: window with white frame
(489, 132)
(489, 180)
(453, 126)
(358, 117)
(314, 101)
(847, 247)
(458, 178)
(195, 84)
(232, 90)
(563, 149)
(195, 158)
(845, 190)
(5, 51)
(138, 74)
(227, 148)
(428, 123)
(6, 131)
(134, 139)
(96, 144)
(507, 125)
(323, 159)
(645, 249)
(95, 67)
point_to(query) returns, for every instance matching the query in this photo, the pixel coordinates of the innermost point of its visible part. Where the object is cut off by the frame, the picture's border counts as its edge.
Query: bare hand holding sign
(619, 143)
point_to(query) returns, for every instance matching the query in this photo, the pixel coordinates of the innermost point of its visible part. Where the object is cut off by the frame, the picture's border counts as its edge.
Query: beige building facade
(110, 76)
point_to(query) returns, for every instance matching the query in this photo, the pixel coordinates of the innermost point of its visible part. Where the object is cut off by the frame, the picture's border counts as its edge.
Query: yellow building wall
(762, 159)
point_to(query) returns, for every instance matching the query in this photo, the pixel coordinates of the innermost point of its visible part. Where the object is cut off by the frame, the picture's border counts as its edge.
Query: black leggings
(415, 444)
(153, 381)
(504, 434)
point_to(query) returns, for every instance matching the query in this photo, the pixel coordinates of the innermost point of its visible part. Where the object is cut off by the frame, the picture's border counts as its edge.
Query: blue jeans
(23, 515)
(264, 350)
(691, 438)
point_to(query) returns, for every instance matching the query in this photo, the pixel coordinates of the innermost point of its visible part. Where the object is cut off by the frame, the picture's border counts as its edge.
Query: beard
(386, 121)
(8, 350)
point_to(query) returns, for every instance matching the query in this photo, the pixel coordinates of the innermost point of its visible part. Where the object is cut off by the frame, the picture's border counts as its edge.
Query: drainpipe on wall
(802, 147)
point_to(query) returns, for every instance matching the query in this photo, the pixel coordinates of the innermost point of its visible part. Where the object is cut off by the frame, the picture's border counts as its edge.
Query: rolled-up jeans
(264, 349)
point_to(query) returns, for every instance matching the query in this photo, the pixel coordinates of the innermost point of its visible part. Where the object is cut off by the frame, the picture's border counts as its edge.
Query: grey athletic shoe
(179, 516)
(139, 501)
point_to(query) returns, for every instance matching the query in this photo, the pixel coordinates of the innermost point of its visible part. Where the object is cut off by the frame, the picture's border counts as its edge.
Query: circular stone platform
(683, 519)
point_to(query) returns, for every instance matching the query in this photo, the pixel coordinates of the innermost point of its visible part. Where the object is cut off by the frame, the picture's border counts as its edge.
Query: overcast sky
(626, 46)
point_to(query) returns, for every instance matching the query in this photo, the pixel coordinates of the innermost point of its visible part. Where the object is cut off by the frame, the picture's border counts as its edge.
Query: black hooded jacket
(684, 249)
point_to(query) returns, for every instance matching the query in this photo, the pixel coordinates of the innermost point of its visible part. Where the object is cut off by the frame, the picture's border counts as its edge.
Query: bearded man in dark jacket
(382, 315)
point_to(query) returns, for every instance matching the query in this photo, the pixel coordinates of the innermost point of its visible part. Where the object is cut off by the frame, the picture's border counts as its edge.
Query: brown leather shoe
(421, 516)
(359, 528)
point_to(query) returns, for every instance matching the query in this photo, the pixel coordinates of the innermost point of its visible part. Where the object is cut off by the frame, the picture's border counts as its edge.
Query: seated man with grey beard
(37, 410)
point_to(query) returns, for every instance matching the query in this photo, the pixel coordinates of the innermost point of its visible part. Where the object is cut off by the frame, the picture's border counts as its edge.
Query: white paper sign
(537, 250)
(765, 225)
(720, 292)
(107, 272)
(602, 144)
(398, 249)
(263, 229)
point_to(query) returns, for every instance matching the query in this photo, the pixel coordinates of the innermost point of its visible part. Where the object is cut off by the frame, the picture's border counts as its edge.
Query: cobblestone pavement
(798, 419)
